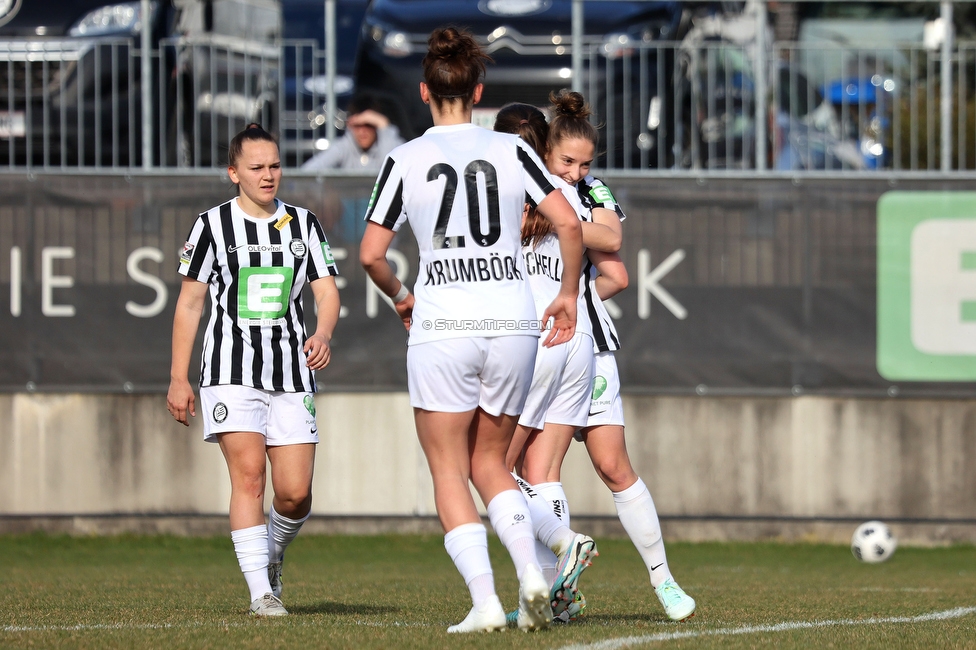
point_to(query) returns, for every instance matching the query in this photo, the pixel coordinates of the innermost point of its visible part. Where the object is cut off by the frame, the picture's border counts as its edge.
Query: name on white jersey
(545, 265)
(472, 269)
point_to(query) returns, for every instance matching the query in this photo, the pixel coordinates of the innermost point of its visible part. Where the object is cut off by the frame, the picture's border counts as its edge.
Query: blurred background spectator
(368, 138)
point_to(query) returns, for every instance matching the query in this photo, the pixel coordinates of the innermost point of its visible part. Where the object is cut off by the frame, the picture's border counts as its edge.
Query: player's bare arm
(180, 400)
(318, 346)
(372, 255)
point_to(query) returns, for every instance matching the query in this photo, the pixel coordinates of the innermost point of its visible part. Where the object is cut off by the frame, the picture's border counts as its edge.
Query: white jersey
(594, 193)
(462, 188)
(544, 265)
(256, 269)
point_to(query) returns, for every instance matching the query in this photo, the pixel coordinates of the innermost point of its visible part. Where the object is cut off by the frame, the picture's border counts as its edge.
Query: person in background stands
(369, 137)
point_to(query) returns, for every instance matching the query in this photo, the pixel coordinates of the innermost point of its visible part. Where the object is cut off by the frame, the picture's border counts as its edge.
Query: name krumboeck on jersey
(494, 268)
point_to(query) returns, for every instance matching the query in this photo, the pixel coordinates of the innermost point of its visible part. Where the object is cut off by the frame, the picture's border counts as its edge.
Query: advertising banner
(737, 285)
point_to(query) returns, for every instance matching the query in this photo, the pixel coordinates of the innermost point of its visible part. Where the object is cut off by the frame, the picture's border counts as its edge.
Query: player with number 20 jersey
(466, 186)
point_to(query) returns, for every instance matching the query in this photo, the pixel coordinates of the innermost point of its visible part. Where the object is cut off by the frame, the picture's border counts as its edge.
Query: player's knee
(294, 499)
(617, 475)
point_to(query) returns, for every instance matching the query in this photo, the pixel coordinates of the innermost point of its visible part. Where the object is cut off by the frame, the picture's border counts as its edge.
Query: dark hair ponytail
(252, 131)
(454, 64)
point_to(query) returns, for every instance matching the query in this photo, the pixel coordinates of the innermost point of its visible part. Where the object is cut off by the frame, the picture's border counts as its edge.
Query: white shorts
(457, 375)
(561, 384)
(606, 406)
(283, 418)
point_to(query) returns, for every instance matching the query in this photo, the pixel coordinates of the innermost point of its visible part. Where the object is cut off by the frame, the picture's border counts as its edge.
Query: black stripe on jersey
(196, 261)
(378, 191)
(540, 177)
(616, 343)
(584, 194)
(297, 356)
(598, 335)
(396, 207)
(297, 362)
(233, 269)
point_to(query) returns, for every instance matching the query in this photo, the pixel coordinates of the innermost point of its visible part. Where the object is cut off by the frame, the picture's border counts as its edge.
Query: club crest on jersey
(297, 248)
(220, 412)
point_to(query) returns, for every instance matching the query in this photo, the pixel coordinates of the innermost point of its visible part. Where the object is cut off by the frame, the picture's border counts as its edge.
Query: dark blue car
(530, 42)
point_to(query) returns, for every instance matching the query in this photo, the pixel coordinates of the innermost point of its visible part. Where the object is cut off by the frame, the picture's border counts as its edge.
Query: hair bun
(447, 43)
(570, 104)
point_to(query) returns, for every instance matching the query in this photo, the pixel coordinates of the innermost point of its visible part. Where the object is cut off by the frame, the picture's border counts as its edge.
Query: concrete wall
(805, 467)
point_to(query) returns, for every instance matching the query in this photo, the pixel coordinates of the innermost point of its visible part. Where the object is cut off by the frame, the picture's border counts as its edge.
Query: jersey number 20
(440, 238)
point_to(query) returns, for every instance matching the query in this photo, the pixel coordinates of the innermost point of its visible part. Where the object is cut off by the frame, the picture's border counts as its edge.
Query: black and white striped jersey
(462, 188)
(256, 269)
(594, 193)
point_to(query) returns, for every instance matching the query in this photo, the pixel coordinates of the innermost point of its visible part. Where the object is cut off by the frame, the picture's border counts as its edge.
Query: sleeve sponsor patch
(327, 252)
(187, 253)
(602, 194)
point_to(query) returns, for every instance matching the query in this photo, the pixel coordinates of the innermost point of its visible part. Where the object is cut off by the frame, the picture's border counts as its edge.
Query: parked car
(305, 113)
(530, 42)
(71, 79)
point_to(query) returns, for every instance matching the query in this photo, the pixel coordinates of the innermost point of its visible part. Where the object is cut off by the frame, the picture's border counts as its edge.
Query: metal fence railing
(707, 105)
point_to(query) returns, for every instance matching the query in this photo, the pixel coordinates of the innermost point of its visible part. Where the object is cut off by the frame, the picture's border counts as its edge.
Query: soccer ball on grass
(873, 542)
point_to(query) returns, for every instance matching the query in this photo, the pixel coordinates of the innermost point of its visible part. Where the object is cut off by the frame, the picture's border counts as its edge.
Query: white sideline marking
(611, 644)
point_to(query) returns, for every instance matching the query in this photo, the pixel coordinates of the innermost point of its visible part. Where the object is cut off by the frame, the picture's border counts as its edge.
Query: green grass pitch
(403, 592)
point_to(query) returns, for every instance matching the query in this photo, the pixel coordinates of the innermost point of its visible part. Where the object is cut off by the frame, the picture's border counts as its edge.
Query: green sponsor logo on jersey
(263, 292)
(602, 194)
(372, 196)
(599, 386)
(309, 403)
(327, 251)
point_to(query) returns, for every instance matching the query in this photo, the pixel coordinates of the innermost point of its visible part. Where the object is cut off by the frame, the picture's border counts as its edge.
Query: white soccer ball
(873, 542)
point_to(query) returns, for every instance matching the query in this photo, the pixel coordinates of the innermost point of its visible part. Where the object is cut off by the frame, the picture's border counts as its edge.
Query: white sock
(547, 561)
(281, 531)
(556, 496)
(468, 547)
(251, 546)
(636, 511)
(548, 528)
(509, 516)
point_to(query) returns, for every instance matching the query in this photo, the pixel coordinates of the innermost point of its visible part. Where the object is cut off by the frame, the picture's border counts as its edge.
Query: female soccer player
(571, 144)
(255, 255)
(472, 326)
(559, 395)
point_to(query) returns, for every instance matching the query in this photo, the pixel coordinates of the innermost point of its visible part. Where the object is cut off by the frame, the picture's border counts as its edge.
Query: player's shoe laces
(677, 604)
(274, 577)
(268, 605)
(573, 612)
(534, 612)
(571, 563)
(487, 618)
